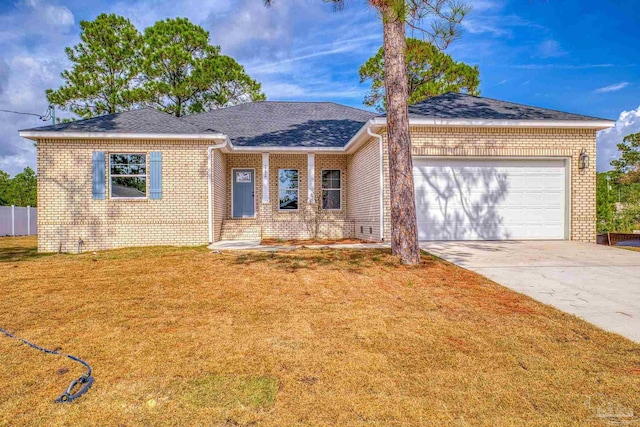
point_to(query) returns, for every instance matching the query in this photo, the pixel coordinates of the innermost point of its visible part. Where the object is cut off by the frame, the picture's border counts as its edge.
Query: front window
(128, 175)
(331, 190)
(288, 189)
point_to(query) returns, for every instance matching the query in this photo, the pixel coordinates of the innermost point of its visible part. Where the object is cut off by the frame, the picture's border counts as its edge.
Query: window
(128, 175)
(331, 190)
(288, 189)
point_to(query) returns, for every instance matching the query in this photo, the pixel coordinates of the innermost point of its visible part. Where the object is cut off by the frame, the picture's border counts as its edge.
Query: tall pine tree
(430, 72)
(184, 73)
(104, 71)
(443, 18)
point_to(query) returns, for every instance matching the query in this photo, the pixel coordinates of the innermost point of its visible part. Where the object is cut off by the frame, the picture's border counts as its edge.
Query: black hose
(84, 382)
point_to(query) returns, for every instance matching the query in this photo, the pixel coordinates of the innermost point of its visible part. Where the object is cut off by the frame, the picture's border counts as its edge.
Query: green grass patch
(230, 391)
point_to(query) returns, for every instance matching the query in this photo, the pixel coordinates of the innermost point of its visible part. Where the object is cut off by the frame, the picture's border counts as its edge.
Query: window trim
(288, 189)
(322, 189)
(146, 174)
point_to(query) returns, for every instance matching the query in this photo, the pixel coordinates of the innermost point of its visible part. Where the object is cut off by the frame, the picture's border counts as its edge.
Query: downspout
(210, 184)
(375, 135)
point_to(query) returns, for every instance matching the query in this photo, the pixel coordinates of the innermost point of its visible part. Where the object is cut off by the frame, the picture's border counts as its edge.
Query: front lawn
(308, 242)
(184, 336)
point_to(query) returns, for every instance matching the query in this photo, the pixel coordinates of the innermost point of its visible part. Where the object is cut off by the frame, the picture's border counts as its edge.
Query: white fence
(18, 221)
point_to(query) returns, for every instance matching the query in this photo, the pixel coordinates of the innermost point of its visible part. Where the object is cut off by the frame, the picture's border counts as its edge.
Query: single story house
(483, 170)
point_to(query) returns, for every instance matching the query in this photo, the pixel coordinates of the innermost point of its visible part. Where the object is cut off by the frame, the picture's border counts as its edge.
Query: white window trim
(265, 177)
(146, 174)
(311, 177)
(327, 189)
(289, 189)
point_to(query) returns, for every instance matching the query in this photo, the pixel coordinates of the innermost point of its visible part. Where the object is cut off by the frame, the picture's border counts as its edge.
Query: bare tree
(314, 215)
(438, 21)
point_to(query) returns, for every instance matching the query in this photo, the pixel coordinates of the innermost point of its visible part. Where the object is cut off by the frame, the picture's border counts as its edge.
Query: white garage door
(486, 199)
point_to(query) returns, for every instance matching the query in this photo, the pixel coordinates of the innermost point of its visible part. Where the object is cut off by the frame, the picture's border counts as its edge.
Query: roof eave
(37, 135)
(285, 149)
(572, 124)
(361, 136)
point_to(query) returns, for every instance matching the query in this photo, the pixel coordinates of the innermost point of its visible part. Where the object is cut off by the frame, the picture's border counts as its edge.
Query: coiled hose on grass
(78, 387)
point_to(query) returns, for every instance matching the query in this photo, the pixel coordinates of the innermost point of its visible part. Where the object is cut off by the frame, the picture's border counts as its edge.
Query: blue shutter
(155, 174)
(99, 184)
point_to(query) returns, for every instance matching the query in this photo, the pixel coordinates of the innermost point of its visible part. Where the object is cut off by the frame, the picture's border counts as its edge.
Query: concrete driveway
(597, 283)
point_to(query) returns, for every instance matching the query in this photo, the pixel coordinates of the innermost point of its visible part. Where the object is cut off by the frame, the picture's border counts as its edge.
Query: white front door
(490, 199)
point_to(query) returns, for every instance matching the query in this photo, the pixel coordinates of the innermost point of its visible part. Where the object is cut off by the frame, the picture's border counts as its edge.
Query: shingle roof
(463, 106)
(284, 124)
(302, 124)
(145, 120)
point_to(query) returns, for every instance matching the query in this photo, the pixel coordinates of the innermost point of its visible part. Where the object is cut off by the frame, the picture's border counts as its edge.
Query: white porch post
(28, 220)
(13, 220)
(311, 176)
(265, 177)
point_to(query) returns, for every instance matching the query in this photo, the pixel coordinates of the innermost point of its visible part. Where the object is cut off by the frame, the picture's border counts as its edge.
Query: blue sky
(576, 56)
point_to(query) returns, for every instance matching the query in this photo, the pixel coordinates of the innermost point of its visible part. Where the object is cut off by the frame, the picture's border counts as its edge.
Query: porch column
(265, 177)
(311, 176)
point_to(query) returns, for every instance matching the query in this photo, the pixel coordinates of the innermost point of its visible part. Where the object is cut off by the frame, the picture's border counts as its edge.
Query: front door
(243, 202)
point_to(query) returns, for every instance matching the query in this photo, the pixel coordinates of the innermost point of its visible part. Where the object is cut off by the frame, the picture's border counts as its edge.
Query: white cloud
(285, 47)
(550, 49)
(612, 88)
(488, 17)
(628, 122)
(41, 16)
(491, 26)
(485, 5)
(320, 92)
(28, 78)
(561, 66)
(32, 38)
(315, 51)
(60, 16)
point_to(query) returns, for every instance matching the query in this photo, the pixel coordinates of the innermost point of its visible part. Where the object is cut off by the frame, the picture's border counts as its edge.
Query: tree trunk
(404, 228)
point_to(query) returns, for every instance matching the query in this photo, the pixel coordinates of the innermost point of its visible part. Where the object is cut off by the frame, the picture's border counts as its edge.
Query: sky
(580, 56)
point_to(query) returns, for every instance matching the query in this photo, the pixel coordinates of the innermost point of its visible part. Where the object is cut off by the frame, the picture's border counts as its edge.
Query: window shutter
(99, 183)
(155, 174)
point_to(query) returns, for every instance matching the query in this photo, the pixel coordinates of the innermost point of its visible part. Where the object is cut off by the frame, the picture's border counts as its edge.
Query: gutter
(285, 150)
(571, 124)
(210, 184)
(375, 135)
(353, 142)
(35, 135)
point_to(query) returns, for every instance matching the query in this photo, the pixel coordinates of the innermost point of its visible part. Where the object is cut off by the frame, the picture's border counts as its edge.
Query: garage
(491, 199)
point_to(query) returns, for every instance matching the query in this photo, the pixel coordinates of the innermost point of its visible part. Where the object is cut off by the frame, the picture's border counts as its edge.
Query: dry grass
(182, 336)
(307, 242)
(629, 248)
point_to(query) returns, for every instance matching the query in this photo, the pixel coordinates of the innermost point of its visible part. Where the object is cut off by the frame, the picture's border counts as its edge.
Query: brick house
(483, 170)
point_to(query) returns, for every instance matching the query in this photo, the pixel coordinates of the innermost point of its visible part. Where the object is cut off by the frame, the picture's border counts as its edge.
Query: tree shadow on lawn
(282, 261)
(15, 249)
(345, 260)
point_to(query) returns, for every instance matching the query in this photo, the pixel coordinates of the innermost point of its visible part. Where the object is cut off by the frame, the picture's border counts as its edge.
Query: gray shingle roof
(302, 124)
(285, 124)
(145, 120)
(463, 106)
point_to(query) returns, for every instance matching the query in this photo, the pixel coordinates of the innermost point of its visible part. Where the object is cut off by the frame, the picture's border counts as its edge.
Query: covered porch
(280, 196)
